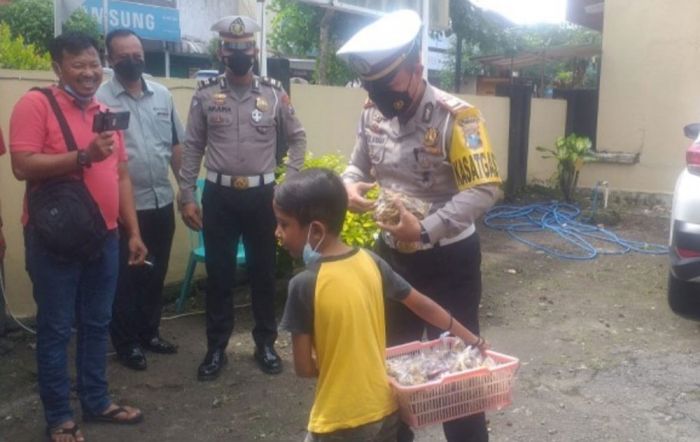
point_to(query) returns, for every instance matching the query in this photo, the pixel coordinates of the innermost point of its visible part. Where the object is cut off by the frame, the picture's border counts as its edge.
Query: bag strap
(67, 133)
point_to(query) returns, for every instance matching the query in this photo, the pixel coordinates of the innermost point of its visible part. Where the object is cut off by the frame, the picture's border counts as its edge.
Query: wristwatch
(84, 160)
(424, 237)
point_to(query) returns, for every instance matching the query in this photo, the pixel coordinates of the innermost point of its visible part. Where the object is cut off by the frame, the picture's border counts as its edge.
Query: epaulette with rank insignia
(452, 103)
(268, 81)
(202, 84)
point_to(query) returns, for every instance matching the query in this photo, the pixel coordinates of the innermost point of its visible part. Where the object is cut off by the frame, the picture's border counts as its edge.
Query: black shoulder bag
(62, 212)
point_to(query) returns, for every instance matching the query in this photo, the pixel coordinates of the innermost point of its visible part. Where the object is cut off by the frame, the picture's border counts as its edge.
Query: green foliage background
(33, 21)
(296, 33)
(16, 54)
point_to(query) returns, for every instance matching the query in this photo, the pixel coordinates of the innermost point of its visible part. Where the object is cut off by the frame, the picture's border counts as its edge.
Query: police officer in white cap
(426, 145)
(235, 120)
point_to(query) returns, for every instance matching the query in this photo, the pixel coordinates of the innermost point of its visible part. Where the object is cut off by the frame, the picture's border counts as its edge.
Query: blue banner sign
(148, 22)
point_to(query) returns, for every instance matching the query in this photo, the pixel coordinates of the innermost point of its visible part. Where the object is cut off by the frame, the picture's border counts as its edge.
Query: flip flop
(111, 417)
(61, 431)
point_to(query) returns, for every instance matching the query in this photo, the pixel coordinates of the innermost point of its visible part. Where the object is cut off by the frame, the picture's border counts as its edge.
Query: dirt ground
(603, 359)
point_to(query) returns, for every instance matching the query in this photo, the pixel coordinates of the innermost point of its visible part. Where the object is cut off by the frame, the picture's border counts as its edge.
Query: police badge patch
(427, 113)
(237, 27)
(219, 99)
(261, 104)
(470, 128)
(256, 115)
(430, 141)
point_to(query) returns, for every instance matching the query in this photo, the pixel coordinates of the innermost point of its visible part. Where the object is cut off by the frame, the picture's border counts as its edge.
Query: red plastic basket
(457, 394)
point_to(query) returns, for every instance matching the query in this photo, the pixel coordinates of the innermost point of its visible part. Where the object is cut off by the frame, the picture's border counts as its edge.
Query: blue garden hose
(560, 219)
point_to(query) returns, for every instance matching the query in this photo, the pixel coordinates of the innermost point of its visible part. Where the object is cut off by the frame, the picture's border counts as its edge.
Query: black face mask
(390, 103)
(239, 62)
(129, 69)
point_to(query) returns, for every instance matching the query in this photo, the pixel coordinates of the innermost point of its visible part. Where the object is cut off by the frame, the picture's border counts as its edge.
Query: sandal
(110, 417)
(53, 433)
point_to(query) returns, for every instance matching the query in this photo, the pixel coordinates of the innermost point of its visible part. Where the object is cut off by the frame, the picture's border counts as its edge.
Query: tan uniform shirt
(413, 158)
(239, 133)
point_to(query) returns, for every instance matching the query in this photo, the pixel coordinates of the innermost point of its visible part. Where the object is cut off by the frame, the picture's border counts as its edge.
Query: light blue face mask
(77, 96)
(309, 255)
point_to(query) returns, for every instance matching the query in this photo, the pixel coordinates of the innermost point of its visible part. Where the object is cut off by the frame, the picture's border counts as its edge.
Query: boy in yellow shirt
(335, 312)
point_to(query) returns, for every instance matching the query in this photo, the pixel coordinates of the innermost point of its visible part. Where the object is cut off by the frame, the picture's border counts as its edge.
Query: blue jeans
(68, 294)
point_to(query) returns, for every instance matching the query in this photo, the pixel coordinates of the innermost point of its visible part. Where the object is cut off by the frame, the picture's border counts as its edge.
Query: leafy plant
(570, 153)
(309, 31)
(359, 229)
(81, 21)
(33, 21)
(15, 54)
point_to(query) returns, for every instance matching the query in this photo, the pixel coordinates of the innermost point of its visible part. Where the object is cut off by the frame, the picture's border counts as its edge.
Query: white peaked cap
(378, 48)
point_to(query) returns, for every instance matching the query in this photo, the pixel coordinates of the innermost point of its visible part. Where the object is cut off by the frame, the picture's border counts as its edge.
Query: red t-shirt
(34, 128)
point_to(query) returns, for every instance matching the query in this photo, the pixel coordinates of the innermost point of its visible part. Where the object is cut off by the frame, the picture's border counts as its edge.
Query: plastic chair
(197, 255)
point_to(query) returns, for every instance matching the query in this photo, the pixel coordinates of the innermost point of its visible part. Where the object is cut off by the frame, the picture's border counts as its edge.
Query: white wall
(649, 91)
(547, 123)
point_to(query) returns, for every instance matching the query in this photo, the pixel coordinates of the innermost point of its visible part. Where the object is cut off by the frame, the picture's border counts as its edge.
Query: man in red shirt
(71, 292)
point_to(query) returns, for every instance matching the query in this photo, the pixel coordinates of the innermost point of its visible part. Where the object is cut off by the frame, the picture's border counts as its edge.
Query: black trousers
(229, 213)
(139, 298)
(451, 276)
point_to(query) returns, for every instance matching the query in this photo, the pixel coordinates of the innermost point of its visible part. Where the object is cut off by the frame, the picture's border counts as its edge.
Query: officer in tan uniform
(431, 148)
(234, 121)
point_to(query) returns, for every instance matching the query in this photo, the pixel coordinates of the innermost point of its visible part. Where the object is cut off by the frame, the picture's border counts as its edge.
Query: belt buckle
(240, 183)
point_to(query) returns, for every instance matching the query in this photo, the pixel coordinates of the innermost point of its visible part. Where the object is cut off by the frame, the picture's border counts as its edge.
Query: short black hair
(118, 33)
(71, 42)
(314, 194)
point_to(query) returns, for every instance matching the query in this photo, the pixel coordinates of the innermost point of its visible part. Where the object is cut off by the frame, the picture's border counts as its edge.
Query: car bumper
(685, 236)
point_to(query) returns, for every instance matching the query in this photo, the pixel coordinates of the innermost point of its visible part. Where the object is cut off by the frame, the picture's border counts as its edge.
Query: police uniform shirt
(239, 132)
(154, 127)
(414, 159)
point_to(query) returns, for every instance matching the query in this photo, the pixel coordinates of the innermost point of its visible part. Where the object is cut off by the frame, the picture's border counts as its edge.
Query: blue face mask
(309, 255)
(77, 96)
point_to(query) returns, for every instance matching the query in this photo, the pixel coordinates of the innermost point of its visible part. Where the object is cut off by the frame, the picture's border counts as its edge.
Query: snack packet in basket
(436, 362)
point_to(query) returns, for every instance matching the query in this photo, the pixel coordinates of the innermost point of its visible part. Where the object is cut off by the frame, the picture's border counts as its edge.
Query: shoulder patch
(453, 104)
(203, 84)
(268, 81)
(368, 103)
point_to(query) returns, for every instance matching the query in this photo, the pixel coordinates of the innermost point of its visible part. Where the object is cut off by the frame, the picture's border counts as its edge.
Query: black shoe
(133, 358)
(268, 360)
(213, 362)
(159, 345)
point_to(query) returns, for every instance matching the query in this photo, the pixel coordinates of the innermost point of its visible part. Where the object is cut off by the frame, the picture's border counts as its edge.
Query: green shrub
(359, 228)
(570, 153)
(31, 19)
(15, 54)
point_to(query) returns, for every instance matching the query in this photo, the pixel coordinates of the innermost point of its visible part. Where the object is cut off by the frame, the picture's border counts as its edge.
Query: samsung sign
(149, 22)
